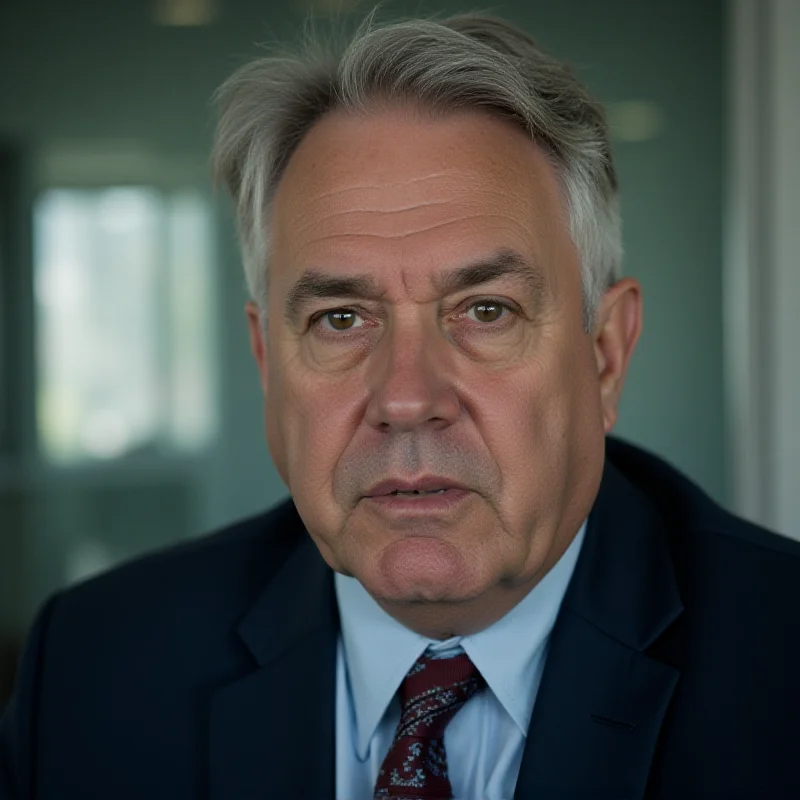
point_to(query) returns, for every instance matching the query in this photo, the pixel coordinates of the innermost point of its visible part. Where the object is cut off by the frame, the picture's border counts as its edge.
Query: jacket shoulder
(214, 577)
(145, 641)
(685, 505)
(712, 549)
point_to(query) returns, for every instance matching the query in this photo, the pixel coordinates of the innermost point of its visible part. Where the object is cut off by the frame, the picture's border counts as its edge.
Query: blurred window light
(124, 318)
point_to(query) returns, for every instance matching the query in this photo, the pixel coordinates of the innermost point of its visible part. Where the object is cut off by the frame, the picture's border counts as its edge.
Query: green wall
(98, 75)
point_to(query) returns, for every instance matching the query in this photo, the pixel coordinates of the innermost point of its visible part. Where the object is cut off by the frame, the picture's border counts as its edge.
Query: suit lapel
(272, 732)
(602, 699)
(600, 705)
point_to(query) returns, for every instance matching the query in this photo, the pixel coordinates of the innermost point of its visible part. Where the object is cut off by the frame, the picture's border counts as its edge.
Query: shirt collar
(379, 650)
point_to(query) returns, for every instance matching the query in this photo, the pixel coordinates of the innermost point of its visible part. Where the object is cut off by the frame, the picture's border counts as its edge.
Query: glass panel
(122, 334)
(191, 406)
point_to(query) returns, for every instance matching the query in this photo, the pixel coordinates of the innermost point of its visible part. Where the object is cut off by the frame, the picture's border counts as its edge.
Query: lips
(422, 487)
(424, 499)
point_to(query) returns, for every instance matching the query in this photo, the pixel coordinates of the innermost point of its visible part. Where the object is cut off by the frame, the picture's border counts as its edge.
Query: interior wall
(104, 76)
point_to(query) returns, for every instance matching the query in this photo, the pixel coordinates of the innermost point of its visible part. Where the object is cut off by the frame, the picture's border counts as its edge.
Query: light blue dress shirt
(485, 740)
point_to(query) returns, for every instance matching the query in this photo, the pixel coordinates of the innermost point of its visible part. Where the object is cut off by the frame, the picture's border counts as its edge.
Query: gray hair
(463, 62)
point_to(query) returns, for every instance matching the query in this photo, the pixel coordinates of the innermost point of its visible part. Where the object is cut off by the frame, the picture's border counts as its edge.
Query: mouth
(427, 495)
(414, 493)
(423, 487)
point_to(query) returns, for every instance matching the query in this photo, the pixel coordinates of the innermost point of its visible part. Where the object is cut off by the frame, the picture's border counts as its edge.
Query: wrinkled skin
(485, 378)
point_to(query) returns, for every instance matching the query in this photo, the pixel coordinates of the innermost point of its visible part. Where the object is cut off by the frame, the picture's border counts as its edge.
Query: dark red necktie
(434, 690)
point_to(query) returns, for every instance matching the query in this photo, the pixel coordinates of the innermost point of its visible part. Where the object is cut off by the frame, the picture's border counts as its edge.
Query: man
(473, 593)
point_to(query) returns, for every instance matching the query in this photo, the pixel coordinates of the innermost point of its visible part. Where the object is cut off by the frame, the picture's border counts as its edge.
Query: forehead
(397, 187)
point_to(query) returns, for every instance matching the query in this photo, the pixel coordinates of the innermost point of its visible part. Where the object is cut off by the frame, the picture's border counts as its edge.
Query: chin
(398, 591)
(421, 569)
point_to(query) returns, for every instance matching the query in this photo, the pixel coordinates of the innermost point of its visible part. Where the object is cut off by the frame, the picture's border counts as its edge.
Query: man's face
(433, 402)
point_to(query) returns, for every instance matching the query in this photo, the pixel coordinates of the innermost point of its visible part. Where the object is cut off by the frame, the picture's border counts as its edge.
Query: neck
(442, 620)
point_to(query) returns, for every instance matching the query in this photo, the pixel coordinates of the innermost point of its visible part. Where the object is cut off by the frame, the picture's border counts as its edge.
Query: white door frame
(761, 271)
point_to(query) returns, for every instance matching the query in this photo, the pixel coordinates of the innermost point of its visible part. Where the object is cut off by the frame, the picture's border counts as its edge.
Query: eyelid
(508, 305)
(463, 308)
(316, 319)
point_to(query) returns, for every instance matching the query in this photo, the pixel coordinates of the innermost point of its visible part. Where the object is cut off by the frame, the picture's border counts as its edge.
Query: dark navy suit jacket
(207, 671)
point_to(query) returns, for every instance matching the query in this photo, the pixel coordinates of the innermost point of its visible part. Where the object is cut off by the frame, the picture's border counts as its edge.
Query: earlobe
(619, 323)
(258, 345)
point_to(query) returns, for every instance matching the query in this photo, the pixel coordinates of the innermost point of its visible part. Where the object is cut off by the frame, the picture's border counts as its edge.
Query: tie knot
(433, 691)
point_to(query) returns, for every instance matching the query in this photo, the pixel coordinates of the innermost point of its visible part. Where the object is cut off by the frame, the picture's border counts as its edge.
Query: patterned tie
(434, 690)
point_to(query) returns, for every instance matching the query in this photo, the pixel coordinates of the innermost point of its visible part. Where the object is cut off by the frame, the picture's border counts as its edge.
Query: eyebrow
(505, 263)
(316, 285)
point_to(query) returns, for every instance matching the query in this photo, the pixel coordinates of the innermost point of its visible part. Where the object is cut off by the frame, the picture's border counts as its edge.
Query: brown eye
(486, 311)
(342, 319)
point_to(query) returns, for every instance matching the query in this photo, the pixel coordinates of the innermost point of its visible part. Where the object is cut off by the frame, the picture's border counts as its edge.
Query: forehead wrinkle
(385, 201)
(347, 218)
(455, 187)
(473, 191)
(406, 234)
(381, 187)
(398, 210)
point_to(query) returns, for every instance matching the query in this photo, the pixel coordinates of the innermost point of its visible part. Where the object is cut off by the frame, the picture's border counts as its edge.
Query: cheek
(524, 429)
(316, 421)
(275, 422)
(538, 423)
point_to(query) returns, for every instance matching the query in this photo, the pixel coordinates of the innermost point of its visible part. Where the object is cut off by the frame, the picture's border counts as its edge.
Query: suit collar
(379, 650)
(272, 731)
(602, 699)
(600, 705)
(624, 582)
(296, 604)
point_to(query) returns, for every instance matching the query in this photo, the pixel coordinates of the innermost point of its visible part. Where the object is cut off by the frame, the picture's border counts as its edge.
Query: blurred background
(130, 414)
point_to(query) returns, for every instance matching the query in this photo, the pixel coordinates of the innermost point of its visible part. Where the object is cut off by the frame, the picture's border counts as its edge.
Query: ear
(258, 345)
(617, 328)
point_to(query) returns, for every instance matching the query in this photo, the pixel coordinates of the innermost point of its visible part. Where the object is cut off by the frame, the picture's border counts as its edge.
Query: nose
(411, 383)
